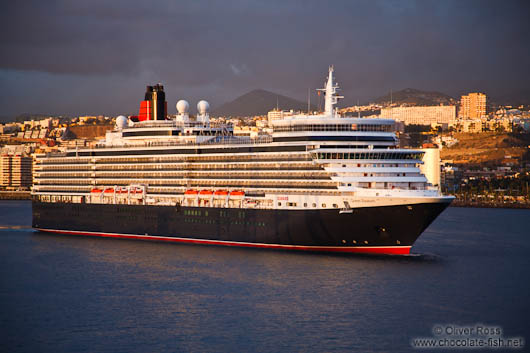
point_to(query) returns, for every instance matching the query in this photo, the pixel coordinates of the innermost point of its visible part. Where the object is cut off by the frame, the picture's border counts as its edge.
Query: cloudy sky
(96, 57)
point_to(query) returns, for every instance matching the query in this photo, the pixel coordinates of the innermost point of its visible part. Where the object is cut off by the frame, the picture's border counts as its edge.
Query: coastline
(15, 195)
(478, 204)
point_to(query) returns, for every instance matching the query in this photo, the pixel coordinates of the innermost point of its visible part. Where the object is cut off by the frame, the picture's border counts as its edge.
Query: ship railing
(174, 123)
(218, 140)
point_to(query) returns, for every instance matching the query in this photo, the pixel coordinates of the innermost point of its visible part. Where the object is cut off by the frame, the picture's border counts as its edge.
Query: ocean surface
(80, 294)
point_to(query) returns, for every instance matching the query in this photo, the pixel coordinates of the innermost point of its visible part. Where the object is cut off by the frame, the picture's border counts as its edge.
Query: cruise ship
(318, 182)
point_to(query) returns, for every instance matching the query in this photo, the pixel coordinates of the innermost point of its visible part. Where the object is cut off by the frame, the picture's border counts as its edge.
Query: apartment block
(472, 106)
(442, 114)
(5, 170)
(16, 171)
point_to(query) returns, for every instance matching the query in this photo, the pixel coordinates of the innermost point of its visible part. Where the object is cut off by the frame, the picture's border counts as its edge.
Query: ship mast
(331, 97)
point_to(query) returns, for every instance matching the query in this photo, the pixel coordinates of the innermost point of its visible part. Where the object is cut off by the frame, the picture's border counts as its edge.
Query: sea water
(80, 294)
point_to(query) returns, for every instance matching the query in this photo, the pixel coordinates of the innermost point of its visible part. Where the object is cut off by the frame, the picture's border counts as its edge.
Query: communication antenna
(358, 109)
(391, 110)
(308, 100)
(277, 103)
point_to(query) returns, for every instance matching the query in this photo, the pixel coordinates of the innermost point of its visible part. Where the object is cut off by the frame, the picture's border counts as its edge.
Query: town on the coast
(483, 147)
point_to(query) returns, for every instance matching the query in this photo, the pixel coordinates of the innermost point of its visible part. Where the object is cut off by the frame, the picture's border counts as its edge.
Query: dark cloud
(97, 56)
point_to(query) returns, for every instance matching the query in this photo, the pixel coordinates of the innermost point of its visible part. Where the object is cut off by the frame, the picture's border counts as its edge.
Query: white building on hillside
(441, 114)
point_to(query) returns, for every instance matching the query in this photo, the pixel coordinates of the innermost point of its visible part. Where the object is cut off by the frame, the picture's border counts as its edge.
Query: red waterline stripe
(382, 250)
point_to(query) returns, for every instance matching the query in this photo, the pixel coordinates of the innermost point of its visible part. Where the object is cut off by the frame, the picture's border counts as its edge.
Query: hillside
(415, 97)
(89, 132)
(258, 102)
(486, 148)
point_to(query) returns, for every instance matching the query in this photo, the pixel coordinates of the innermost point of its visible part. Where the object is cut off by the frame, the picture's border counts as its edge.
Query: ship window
(323, 205)
(279, 203)
(305, 204)
(335, 205)
(314, 205)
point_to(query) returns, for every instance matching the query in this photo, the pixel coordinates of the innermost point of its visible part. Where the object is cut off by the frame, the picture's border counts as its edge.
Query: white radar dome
(203, 107)
(183, 106)
(121, 122)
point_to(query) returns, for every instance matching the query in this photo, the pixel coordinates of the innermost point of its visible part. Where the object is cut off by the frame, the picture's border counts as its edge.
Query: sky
(69, 57)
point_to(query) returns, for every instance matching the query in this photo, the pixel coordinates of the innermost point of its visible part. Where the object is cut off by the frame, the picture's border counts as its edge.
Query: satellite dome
(121, 122)
(182, 106)
(203, 107)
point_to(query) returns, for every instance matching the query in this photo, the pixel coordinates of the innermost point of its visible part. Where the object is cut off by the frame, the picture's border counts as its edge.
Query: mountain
(23, 117)
(515, 99)
(27, 116)
(416, 97)
(258, 102)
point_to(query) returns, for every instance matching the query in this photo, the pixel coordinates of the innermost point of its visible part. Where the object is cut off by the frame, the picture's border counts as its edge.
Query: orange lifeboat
(109, 191)
(191, 193)
(220, 193)
(205, 193)
(96, 191)
(237, 193)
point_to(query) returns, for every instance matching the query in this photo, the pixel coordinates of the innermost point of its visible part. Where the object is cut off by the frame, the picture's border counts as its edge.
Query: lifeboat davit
(137, 191)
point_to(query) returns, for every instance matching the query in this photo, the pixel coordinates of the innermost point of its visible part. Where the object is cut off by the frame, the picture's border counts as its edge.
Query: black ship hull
(373, 230)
